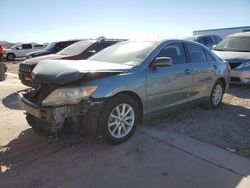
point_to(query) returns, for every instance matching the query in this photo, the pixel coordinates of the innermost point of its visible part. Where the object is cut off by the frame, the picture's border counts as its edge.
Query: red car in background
(77, 51)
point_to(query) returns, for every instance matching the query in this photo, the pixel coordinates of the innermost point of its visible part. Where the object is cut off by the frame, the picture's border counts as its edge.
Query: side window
(26, 46)
(38, 46)
(196, 53)
(208, 40)
(209, 56)
(201, 40)
(175, 51)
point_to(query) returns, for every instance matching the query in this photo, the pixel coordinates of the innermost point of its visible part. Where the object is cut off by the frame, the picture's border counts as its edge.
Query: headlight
(247, 64)
(69, 95)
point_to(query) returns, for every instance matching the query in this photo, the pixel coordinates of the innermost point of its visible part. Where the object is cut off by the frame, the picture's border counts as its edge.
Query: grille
(235, 79)
(234, 65)
(26, 67)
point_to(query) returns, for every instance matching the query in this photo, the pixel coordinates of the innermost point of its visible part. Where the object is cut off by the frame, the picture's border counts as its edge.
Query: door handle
(215, 66)
(187, 71)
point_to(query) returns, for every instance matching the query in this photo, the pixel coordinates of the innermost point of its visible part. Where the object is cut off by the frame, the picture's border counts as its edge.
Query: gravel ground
(227, 127)
(13, 66)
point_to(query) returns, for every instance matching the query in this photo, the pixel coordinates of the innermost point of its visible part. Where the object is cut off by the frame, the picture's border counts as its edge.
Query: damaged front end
(51, 117)
(64, 93)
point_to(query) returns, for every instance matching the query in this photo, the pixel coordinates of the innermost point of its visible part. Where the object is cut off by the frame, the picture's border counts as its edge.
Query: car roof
(241, 34)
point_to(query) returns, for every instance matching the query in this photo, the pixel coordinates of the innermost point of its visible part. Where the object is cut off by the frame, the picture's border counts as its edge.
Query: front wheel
(119, 119)
(216, 96)
(10, 57)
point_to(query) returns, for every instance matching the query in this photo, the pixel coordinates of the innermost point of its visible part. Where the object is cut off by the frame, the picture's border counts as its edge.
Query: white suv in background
(20, 50)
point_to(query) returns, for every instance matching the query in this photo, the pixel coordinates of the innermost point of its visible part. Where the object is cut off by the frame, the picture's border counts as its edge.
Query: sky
(54, 20)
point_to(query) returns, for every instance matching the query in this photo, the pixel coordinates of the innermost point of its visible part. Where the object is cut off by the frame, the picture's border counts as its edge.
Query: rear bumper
(240, 77)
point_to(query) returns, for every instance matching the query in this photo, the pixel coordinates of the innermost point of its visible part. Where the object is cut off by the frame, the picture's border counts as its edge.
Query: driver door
(171, 85)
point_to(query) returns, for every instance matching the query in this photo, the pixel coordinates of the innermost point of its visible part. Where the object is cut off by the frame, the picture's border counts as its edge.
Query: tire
(117, 130)
(10, 57)
(216, 96)
(2, 72)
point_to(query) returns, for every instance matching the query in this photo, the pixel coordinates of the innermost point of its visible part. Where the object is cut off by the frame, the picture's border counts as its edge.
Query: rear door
(204, 69)
(169, 86)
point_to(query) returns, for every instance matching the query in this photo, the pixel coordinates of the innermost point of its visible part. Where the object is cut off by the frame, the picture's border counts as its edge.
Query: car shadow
(30, 145)
(11, 101)
(241, 91)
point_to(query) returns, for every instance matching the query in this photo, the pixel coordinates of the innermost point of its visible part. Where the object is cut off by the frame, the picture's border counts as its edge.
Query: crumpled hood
(65, 71)
(233, 57)
(35, 60)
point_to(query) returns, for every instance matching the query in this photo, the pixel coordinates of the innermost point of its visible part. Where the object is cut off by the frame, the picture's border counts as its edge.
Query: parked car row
(77, 51)
(113, 90)
(235, 49)
(107, 86)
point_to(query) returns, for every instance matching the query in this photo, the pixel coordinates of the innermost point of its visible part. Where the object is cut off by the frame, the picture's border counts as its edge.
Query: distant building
(222, 32)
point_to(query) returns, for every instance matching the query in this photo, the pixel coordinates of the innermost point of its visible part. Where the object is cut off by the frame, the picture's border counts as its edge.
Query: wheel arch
(223, 82)
(137, 99)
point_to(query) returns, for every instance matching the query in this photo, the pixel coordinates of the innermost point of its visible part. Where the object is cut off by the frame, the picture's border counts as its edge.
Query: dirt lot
(227, 127)
(24, 153)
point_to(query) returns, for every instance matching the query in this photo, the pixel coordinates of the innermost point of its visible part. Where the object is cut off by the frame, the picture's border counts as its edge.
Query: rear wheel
(119, 119)
(216, 96)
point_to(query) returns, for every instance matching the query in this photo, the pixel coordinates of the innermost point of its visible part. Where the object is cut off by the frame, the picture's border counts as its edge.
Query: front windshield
(76, 48)
(17, 45)
(235, 44)
(128, 53)
(50, 46)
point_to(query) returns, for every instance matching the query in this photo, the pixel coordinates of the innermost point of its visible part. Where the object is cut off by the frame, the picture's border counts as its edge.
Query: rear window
(201, 40)
(208, 40)
(196, 53)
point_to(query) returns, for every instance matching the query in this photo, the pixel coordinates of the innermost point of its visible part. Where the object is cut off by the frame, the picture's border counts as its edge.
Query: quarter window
(175, 51)
(196, 53)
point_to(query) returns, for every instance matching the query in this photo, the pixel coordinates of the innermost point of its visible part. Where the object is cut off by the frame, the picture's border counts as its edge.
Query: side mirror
(162, 62)
(91, 52)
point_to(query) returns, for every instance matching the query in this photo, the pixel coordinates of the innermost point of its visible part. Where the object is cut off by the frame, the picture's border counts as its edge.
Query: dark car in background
(235, 49)
(111, 92)
(51, 48)
(77, 51)
(207, 40)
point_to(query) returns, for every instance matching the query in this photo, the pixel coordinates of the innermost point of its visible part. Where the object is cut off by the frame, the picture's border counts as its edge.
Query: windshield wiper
(241, 51)
(218, 49)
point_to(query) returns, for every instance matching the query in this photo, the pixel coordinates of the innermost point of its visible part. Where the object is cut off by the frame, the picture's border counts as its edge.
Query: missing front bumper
(85, 114)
